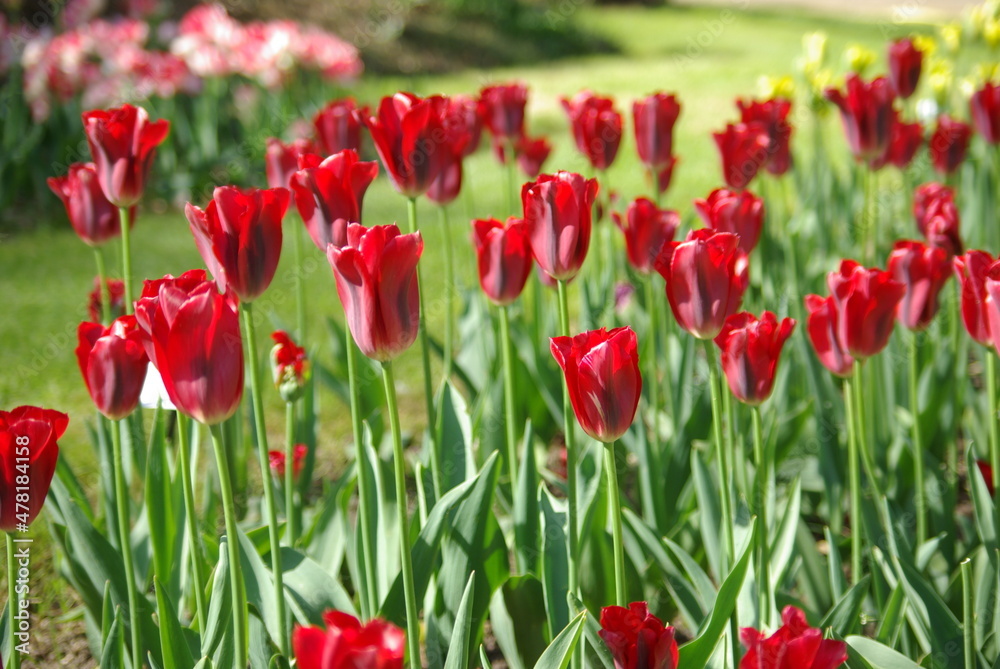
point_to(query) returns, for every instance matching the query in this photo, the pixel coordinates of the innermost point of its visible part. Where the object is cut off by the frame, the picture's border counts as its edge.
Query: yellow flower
(925, 44)
(776, 87)
(859, 58)
(814, 51)
(951, 35)
(941, 77)
(991, 32)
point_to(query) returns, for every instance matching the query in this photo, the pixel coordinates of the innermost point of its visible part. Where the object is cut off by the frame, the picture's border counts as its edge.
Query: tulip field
(674, 357)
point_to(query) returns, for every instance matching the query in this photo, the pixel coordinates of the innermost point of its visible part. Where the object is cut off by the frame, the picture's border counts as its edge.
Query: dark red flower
(706, 276)
(823, 326)
(501, 107)
(532, 154)
(949, 144)
(455, 137)
(743, 150)
(503, 254)
(376, 274)
(289, 365)
(866, 111)
(329, 194)
(123, 142)
(773, 114)
(794, 645)
(337, 128)
(654, 117)
(95, 302)
(239, 237)
(866, 300)
(113, 362)
(970, 270)
(597, 127)
(29, 452)
(646, 229)
(92, 216)
(603, 379)
(923, 270)
(282, 160)
(461, 117)
(750, 351)
(984, 108)
(557, 209)
(276, 460)
(191, 333)
(992, 304)
(637, 639)
(348, 644)
(739, 212)
(904, 140)
(905, 61)
(937, 216)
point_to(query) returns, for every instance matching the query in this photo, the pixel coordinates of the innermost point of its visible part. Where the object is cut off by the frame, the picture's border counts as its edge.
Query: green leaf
(311, 590)
(835, 567)
(892, 618)
(982, 504)
(784, 542)
(454, 430)
(458, 649)
(844, 616)
(164, 508)
(560, 651)
(176, 651)
(554, 563)
(113, 652)
(518, 621)
(259, 584)
(217, 639)
(708, 507)
(878, 655)
(526, 521)
(591, 630)
(483, 658)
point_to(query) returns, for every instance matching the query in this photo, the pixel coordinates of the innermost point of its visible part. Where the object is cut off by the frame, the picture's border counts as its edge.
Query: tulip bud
(750, 351)
(795, 643)
(346, 642)
(637, 639)
(32, 434)
(290, 367)
(113, 363)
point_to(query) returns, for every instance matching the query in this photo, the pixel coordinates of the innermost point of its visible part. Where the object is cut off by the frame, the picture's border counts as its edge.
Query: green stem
(121, 502)
(14, 657)
(449, 293)
(968, 615)
(409, 590)
(763, 490)
(568, 418)
(265, 471)
(369, 603)
(291, 512)
(511, 174)
(854, 469)
(102, 286)
(991, 397)
(232, 548)
(300, 290)
(653, 451)
(863, 435)
(918, 446)
(187, 490)
(614, 502)
(126, 257)
(411, 210)
(508, 397)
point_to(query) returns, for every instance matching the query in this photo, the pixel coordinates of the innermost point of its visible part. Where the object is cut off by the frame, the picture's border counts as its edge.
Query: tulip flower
(337, 128)
(123, 142)
(557, 209)
(743, 149)
(377, 284)
(462, 117)
(822, 326)
(597, 127)
(706, 276)
(984, 108)
(191, 333)
(992, 305)
(905, 61)
(346, 642)
(949, 144)
(923, 270)
(28, 445)
(277, 461)
(603, 379)
(289, 365)
(501, 107)
(455, 137)
(866, 302)
(866, 112)
(95, 302)
(750, 351)
(665, 175)
(113, 362)
(773, 114)
(646, 228)
(239, 237)
(971, 270)
(503, 254)
(739, 212)
(407, 134)
(329, 194)
(937, 216)
(654, 118)
(794, 645)
(94, 219)
(532, 154)
(904, 140)
(281, 160)
(637, 639)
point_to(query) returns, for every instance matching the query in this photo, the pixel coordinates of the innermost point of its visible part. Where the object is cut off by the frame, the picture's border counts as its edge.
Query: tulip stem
(124, 534)
(991, 398)
(192, 520)
(648, 471)
(511, 178)
(763, 489)
(968, 615)
(369, 602)
(300, 291)
(864, 443)
(14, 656)
(918, 446)
(508, 397)
(571, 521)
(854, 469)
(232, 548)
(614, 505)
(260, 429)
(399, 464)
(411, 210)
(291, 531)
(449, 293)
(126, 257)
(102, 286)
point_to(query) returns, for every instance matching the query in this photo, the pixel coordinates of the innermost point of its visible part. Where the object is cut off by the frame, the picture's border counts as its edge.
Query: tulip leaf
(113, 651)
(259, 584)
(708, 507)
(483, 658)
(217, 638)
(518, 621)
(892, 618)
(982, 504)
(176, 650)
(878, 655)
(835, 568)
(784, 542)
(554, 568)
(454, 434)
(461, 642)
(560, 651)
(695, 655)
(526, 521)
(845, 614)
(311, 590)
(260, 649)
(164, 508)
(596, 647)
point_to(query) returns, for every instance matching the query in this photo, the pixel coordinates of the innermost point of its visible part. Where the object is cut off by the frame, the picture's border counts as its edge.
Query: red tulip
(866, 302)
(924, 271)
(794, 645)
(557, 209)
(191, 333)
(949, 144)
(93, 218)
(637, 639)
(937, 216)
(654, 118)
(461, 117)
(29, 448)
(866, 111)
(750, 351)
(905, 61)
(337, 127)
(347, 643)
(376, 274)
(276, 460)
(992, 304)
(407, 133)
(823, 326)
(504, 258)
(123, 142)
(971, 270)
(984, 108)
(706, 276)
(739, 212)
(502, 109)
(289, 365)
(239, 237)
(603, 379)
(532, 154)
(95, 302)
(329, 194)
(597, 127)
(743, 149)
(282, 160)
(773, 114)
(454, 138)
(904, 140)
(646, 229)
(113, 363)
(665, 175)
